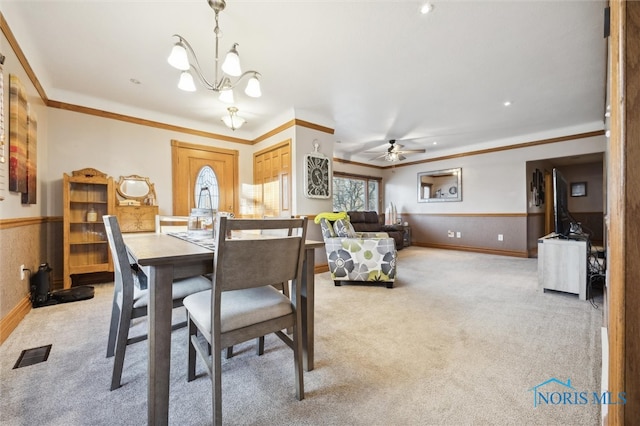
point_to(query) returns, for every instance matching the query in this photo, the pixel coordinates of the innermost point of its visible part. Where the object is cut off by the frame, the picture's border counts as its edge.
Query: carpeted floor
(462, 339)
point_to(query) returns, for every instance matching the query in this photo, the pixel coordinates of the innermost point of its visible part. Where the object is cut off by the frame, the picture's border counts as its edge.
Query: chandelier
(182, 55)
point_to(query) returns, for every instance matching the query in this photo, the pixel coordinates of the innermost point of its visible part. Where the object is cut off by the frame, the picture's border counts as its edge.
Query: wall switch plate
(21, 272)
(458, 234)
(500, 237)
(450, 234)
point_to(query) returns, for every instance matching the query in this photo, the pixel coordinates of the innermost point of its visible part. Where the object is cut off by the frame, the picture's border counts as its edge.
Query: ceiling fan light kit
(184, 58)
(394, 152)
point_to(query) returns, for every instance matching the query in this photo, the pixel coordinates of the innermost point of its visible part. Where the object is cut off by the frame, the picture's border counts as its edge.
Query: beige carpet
(461, 340)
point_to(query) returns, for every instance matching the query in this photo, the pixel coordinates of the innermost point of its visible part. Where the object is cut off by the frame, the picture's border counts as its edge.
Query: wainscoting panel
(478, 232)
(28, 242)
(535, 230)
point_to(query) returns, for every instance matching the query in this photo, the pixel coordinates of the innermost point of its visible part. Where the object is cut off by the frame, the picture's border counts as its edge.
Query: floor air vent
(33, 356)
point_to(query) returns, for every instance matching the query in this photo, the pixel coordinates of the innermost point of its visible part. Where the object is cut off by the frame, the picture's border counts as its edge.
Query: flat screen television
(561, 215)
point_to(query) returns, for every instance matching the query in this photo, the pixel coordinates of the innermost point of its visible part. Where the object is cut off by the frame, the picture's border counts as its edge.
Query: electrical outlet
(450, 234)
(21, 272)
(458, 234)
(500, 237)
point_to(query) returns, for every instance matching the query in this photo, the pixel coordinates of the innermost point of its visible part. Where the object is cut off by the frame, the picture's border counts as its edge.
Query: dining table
(164, 258)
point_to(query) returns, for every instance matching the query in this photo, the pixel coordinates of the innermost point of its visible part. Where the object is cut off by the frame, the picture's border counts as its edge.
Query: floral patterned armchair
(357, 256)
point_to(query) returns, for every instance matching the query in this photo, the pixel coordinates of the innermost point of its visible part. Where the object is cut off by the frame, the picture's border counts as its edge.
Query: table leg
(307, 295)
(159, 319)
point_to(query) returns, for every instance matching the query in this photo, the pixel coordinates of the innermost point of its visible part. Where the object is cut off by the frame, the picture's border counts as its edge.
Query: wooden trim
(25, 221)
(13, 318)
(355, 163)
(22, 58)
(479, 151)
(504, 148)
(313, 126)
(631, 72)
(615, 209)
(294, 122)
(357, 176)
(624, 200)
(291, 123)
(512, 253)
(143, 122)
(275, 131)
(178, 144)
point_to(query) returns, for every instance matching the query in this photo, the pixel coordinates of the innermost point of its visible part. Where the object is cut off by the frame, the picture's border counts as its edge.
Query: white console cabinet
(562, 265)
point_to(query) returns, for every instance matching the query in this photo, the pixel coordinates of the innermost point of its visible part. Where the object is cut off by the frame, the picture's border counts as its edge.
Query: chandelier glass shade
(226, 77)
(233, 120)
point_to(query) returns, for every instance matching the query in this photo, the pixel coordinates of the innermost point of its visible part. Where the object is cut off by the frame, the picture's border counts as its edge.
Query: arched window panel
(206, 191)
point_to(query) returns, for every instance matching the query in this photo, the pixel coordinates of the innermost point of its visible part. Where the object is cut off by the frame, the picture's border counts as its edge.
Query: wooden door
(188, 160)
(272, 180)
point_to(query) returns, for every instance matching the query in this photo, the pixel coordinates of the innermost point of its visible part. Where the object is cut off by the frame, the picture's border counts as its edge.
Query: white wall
(491, 183)
(119, 148)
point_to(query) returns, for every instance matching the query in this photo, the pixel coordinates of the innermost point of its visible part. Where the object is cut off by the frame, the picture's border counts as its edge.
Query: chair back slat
(255, 259)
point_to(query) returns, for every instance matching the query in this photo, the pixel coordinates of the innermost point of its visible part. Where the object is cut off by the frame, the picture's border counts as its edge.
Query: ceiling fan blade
(377, 157)
(412, 151)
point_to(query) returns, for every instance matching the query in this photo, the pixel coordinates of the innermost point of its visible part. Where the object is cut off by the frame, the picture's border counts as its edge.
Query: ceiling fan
(394, 152)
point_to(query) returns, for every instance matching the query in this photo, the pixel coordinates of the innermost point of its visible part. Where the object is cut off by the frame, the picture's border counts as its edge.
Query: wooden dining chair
(166, 224)
(282, 286)
(130, 301)
(243, 304)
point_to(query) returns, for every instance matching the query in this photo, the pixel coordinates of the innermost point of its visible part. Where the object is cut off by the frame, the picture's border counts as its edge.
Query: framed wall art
(317, 176)
(579, 189)
(18, 129)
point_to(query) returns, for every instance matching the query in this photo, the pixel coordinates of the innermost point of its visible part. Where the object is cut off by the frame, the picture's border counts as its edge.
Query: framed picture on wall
(317, 176)
(579, 189)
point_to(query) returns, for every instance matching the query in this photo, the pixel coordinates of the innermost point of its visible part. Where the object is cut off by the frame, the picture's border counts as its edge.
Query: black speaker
(40, 285)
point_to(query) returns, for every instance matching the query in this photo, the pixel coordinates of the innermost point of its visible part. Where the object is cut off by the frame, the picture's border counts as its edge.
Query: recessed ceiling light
(435, 143)
(426, 8)
(506, 103)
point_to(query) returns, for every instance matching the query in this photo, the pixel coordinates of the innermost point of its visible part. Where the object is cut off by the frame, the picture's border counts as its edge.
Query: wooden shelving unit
(86, 249)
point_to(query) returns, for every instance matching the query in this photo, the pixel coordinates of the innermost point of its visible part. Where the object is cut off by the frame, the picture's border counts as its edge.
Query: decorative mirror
(137, 189)
(440, 185)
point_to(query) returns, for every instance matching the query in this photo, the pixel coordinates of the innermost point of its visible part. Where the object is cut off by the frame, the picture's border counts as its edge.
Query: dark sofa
(370, 222)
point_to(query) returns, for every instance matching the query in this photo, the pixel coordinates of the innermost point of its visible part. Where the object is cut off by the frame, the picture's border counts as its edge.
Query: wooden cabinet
(137, 218)
(87, 195)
